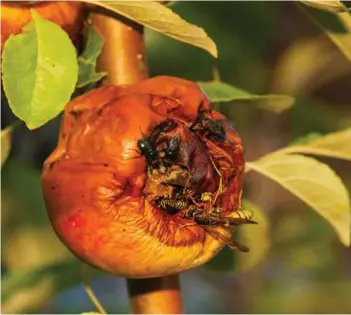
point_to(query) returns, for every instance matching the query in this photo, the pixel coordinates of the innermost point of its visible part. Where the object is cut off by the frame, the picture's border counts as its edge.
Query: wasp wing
(227, 240)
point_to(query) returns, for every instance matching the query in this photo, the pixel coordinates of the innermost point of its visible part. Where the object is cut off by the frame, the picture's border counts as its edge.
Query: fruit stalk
(123, 58)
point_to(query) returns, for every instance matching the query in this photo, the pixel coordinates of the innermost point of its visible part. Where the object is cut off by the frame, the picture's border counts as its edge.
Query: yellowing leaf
(256, 237)
(219, 91)
(313, 182)
(5, 143)
(161, 19)
(336, 144)
(337, 26)
(331, 6)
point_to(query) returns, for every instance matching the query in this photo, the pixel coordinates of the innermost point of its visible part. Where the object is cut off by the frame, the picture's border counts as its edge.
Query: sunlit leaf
(331, 6)
(39, 71)
(87, 61)
(313, 182)
(222, 92)
(256, 237)
(161, 19)
(336, 144)
(337, 26)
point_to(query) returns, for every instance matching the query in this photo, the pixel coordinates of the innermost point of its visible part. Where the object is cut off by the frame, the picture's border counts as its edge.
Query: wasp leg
(220, 184)
(188, 224)
(239, 200)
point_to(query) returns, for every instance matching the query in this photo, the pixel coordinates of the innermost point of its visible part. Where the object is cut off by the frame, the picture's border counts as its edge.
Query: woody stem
(123, 58)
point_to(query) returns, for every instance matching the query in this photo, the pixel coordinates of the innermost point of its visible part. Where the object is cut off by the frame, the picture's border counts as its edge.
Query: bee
(171, 153)
(171, 206)
(150, 153)
(210, 220)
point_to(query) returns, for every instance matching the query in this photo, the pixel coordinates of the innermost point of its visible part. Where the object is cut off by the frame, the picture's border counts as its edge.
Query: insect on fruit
(215, 128)
(150, 153)
(132, 227)
(212, 128)
(171, 153)
(164, 126)
(171, 206)
(182, 192)
(209, 220)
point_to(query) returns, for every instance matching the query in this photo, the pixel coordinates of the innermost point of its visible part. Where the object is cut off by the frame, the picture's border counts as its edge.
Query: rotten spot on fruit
(170, 196)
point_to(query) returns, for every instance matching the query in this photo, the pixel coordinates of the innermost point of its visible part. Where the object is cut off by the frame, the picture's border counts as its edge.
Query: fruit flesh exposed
(100, 193)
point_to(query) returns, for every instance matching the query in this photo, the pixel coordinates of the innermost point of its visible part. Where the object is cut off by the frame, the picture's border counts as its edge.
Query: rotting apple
(99, 190)
(68, 14)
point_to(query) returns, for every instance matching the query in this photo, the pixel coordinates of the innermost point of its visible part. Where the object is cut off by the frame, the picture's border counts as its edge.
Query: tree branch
(123, 53)
(155, 295)
(123, 58)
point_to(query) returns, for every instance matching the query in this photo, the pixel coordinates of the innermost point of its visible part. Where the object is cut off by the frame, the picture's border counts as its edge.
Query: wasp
(150, 153)
(171, 206)
(171, 154)
(210, 220)
(181, 192)
(213, 218)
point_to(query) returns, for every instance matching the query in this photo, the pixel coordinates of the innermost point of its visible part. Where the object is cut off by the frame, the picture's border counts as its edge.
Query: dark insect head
(149, 151)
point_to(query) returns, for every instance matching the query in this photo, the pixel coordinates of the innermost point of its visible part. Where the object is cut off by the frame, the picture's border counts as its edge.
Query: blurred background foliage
(264, 47)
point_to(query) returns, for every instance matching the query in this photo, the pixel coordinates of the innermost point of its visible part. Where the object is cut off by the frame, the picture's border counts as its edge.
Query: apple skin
(94, 181)
(68, 14)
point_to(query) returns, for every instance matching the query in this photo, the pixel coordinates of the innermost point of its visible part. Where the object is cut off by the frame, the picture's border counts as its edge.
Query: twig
(123, 53)
(123, 58)
(89, 290)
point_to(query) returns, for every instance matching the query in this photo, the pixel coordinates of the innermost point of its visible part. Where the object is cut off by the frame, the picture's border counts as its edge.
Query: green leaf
(222, 92)
(87, 61)
(326, 5)
(40, 71)
(337, 26)
(336, 145)
(314, 183)
(161, 19)
(256, 237)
